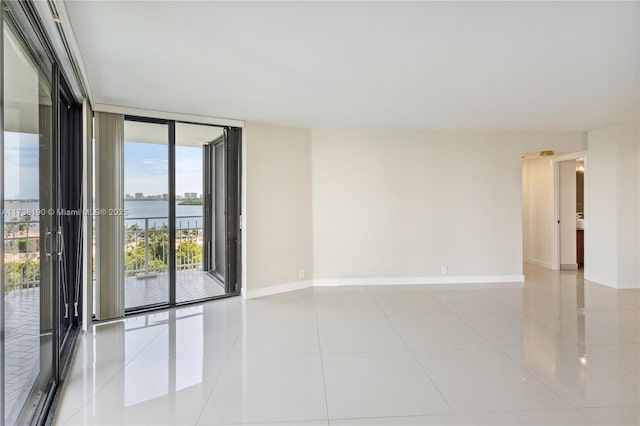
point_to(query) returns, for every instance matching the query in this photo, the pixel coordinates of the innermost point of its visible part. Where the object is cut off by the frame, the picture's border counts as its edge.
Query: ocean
(157, 211)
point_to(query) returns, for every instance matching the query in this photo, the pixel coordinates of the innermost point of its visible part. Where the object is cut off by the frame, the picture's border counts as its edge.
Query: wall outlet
(443, 269)
(302, 273)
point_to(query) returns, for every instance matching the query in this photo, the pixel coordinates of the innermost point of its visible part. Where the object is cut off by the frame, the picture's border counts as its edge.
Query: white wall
(611, 204)
(383, 206)
(398, 205)
(567, 198)
(277, 207)
(628, 208)
(538, 211)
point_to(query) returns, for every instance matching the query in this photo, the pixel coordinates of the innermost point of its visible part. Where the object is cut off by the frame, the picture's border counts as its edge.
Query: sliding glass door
(182, 236)
(40, 151)
(30, 273)
(221, 164)
(193, 182)
(146, 184)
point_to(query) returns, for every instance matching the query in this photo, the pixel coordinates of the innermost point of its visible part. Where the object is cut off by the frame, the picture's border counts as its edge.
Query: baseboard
(276, 289)
(510, 280)
(539, 262)
(611, 283)
(432, 280)
(568, 266)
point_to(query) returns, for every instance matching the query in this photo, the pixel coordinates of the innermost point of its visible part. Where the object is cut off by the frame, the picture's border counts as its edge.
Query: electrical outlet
(302, 273)
(443, 269)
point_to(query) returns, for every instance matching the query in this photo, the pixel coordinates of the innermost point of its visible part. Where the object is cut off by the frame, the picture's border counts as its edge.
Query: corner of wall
(277, 237)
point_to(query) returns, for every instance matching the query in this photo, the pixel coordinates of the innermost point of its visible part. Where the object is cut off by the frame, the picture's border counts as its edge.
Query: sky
(146, 168)
(21, 164)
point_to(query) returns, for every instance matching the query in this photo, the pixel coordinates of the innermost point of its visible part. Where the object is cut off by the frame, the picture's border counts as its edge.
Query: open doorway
(580, 212)
(553, 188)
(570, 213)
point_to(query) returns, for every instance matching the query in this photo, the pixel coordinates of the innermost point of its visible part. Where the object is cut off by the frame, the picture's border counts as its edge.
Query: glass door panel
(146, 184)
(29, 227)
(195, 222)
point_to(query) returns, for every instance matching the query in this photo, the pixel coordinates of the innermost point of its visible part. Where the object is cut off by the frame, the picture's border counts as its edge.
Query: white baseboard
(610, 283)
(432, 280)
(568, 266)
(516, 280)
(276, 289)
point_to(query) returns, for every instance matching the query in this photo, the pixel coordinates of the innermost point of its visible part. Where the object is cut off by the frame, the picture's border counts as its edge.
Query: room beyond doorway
(553, 189)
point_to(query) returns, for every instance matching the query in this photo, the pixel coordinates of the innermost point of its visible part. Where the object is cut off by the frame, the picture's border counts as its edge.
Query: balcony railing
(21, 254)
(146, 248)
(147, 245)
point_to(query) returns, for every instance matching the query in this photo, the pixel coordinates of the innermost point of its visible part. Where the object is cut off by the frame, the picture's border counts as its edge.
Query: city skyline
(146, 168)
(164, 196)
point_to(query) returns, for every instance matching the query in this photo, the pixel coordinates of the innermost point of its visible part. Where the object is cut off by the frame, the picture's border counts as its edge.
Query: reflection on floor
(558, 351)
(22, 347)
(191, 284)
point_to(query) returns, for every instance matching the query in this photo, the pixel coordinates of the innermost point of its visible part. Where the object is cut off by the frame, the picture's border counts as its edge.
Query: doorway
(221, 159)
(569, 209)
(553, 200)
(182, 186)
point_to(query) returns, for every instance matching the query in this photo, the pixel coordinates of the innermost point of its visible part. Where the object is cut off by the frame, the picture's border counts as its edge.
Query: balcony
(21, 304)
(22, 254)
(147, 262)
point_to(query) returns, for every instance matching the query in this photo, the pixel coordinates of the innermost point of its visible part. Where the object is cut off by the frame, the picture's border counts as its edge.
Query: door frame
(555, 231)
(233, 201)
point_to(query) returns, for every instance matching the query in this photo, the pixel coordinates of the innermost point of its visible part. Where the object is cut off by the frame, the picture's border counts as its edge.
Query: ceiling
(414, 65)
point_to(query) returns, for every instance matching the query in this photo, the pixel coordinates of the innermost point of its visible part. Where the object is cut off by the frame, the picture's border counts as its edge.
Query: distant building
(165, 196)
(191, 195)
(139, 195)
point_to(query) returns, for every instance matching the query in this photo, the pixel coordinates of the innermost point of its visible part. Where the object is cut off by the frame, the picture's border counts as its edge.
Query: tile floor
(558, 351)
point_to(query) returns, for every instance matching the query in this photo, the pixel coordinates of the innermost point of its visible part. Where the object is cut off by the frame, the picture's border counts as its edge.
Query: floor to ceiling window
(182, 202)
(146, 185)
(28, 316)
(40, 175)
(196, 211)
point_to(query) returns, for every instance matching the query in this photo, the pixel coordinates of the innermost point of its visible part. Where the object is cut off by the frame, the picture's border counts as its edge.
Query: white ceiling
(465, 66)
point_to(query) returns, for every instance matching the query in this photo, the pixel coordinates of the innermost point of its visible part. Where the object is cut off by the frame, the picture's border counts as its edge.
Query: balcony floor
(22, 341)
(191, 284)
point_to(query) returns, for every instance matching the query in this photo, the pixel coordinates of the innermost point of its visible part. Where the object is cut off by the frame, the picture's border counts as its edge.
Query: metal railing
(21, 254)
(146, 248)
(147, 245)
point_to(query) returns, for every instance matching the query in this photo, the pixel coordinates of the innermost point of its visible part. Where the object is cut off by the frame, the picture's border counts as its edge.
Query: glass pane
(146, 184)
(196, 276)
(28, 192)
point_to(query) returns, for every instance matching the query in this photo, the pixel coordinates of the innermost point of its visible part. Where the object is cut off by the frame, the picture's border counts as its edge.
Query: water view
(157, 210)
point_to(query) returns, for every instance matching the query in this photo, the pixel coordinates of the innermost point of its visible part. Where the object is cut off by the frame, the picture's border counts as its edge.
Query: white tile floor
(558, 351)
